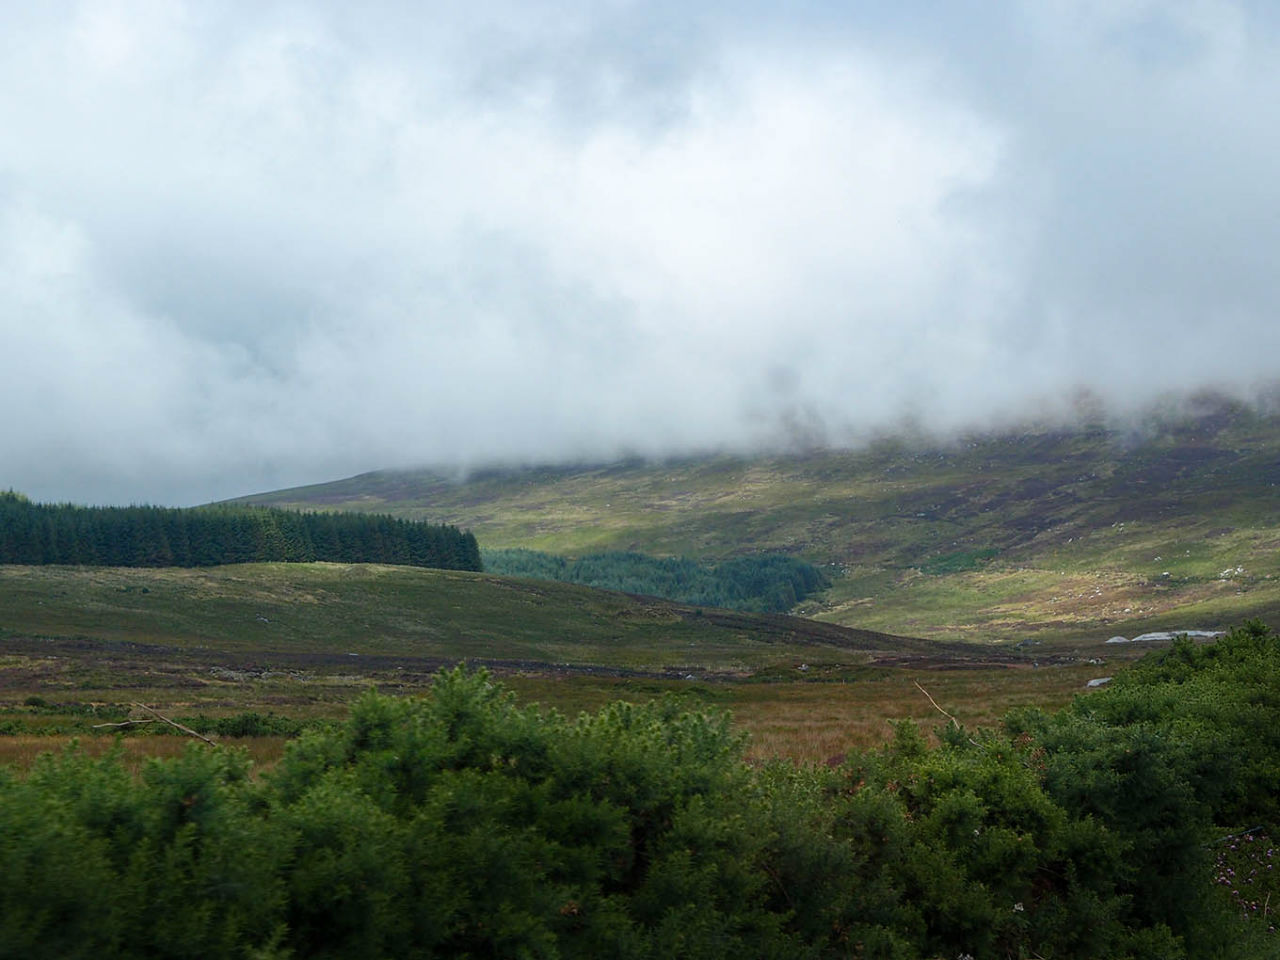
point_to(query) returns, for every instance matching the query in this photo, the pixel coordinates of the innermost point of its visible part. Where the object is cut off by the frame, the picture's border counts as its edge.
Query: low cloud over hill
(255, 245)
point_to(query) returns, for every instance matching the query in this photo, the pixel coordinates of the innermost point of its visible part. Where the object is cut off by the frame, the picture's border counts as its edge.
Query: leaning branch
(175, 723)
(957, 723)
(935, 704)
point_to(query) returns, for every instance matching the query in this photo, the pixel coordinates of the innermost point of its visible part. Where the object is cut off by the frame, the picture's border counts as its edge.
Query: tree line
(145, 536)
(768, 583)
(463, 825)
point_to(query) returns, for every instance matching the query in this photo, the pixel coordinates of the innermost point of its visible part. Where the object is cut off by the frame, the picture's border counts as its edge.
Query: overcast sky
(250, 245)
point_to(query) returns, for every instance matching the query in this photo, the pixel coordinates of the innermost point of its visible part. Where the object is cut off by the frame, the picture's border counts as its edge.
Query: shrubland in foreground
(459, 824)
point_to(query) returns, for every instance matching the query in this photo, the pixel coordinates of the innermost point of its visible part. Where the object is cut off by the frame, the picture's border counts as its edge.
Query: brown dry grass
(811, 723)
(807, 722)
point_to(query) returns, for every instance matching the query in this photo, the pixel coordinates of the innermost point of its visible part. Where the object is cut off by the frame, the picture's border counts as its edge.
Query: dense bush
(503, 832)
(769, 583)
(1176, 751)
(461, 825)
(454, 825)
(249, 723)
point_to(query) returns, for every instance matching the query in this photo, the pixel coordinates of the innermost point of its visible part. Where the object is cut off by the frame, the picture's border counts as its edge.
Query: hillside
(1052, 533)
(327, 615)
(303, 641)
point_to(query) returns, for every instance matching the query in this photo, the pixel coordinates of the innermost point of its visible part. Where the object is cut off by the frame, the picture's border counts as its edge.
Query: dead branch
(123, 723)
(958, 726)
(174, 723)
(935, 704)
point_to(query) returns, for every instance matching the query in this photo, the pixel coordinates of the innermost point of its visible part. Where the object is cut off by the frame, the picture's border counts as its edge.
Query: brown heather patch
(800, 720)
(812, 722)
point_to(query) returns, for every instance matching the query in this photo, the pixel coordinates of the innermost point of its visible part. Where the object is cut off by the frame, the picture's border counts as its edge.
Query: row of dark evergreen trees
(767, 583)
(37, 533)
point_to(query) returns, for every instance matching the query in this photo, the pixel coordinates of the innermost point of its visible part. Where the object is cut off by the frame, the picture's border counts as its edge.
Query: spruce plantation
(139, 536)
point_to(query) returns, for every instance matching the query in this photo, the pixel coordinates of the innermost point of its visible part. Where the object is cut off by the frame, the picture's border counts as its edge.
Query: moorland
(940, 749)
(1048, 533)
(989, 571)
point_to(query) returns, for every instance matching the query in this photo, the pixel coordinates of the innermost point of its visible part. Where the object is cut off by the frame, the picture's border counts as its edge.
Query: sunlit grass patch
(1005, 602)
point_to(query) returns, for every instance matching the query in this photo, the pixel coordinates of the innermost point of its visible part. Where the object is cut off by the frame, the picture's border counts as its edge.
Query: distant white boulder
(1098, 681)
(1169, 635)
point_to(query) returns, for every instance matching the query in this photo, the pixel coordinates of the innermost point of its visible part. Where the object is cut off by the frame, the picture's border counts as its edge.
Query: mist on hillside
(260, 245)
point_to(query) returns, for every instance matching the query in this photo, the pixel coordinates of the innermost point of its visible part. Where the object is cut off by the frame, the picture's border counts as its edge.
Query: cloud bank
(250, 245)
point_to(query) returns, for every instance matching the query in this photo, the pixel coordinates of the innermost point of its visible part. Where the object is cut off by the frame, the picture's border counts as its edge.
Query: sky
(248, 245)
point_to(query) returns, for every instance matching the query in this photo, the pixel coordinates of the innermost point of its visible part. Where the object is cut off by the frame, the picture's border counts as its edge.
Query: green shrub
(1181, 748)
(98, 863)
(247, 724)
(460, 824)
(629, 833)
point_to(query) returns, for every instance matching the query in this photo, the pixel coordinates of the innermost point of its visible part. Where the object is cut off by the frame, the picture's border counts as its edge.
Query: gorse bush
(454, 825)
(98, 864)
(463, 825)
(626, 833)
(249, 723)
(1247, 867)
(1177, 751)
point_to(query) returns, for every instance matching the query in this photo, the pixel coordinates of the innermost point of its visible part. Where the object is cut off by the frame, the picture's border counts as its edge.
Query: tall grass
(21, 751)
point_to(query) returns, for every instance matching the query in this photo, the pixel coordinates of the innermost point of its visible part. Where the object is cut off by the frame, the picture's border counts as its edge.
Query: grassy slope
(304, 639)
(317, 610)
(1053, 534)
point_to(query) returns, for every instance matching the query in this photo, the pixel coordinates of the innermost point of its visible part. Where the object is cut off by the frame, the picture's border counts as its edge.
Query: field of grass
(990, 572)
(808, 715)
(1071, 606)
(334, 610)
(80, 645)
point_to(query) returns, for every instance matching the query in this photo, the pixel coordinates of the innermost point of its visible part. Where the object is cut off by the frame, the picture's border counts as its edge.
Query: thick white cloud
(257, 244)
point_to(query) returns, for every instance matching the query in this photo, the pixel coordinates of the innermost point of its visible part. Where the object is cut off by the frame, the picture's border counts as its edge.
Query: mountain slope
(1053, 533)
